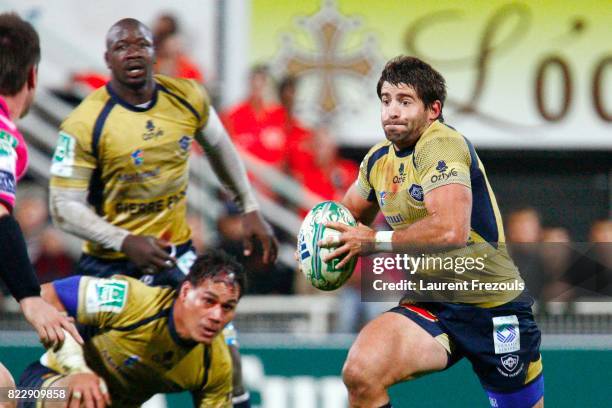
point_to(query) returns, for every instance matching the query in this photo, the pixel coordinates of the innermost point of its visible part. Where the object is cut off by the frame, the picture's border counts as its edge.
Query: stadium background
(530, 83)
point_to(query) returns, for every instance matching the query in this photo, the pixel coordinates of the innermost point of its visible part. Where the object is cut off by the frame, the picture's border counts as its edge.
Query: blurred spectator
(173, 61)
(523, 235)
(199, 237)
(253, 124)
(595, 276)
(558, 259)
(164, 25)
(33, 216)
(323, 171)
(53, 261)
(523, 226)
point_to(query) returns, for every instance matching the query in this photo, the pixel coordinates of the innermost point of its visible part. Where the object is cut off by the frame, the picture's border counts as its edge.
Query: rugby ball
(323, 275)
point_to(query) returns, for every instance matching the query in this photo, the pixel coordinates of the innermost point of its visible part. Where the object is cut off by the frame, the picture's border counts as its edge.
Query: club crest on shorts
(510, 362)
(506, 334)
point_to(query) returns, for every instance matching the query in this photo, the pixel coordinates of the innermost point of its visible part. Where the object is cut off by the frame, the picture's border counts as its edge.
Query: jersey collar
(128, 105)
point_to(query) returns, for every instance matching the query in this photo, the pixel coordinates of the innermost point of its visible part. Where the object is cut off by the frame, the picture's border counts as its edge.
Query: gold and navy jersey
(134, 346)
(398, 181)
(133, 160)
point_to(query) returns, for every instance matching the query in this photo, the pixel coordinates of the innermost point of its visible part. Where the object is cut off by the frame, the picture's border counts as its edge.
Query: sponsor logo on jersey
(416, 192)
(382, 196)
(8, 143)
(441, 166)
(395, 219)
(401, 177)
(106, 295)
(506, 334)
(152, 132)
(138, 177)
(444, 176)
(131, 360)
(184, 143)
(63, 157)
(150, 207)
(137, 157)
(7, 182)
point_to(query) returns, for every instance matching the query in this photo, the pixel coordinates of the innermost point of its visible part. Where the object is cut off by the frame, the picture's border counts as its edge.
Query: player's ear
(184, 290)
(434, 111)
(33, 76)
(106, 59)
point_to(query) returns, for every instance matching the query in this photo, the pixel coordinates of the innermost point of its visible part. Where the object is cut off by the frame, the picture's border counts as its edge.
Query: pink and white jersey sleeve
(13, 157)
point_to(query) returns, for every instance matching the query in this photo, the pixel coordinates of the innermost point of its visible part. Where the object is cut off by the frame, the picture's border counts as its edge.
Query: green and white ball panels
(323, 275)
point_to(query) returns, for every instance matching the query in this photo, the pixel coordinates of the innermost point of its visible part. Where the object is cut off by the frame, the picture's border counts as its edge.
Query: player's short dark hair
(213, 263)
(19, 52)
(428, 83)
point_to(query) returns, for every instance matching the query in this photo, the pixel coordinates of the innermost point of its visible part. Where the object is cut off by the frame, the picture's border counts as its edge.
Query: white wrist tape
(70, 356)
(383, 241)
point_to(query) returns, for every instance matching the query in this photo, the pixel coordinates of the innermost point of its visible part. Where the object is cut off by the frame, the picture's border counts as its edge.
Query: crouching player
(145, 340)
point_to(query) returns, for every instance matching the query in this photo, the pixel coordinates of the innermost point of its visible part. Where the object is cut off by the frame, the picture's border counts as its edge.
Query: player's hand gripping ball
(323, 275)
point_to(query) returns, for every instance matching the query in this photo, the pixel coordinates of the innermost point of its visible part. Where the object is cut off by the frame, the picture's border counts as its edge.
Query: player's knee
(539, 404)
(358, 379)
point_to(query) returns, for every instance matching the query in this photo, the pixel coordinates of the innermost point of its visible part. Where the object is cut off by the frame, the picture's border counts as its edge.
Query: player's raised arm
(228, 166)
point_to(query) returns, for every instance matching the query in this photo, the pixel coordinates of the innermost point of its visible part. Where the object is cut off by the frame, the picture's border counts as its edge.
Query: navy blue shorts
(35, 376)
(105, 268)
(502, 343)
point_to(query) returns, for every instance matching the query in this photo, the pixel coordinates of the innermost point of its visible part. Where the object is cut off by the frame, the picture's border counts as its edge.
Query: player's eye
(228, 308)
(406, 102)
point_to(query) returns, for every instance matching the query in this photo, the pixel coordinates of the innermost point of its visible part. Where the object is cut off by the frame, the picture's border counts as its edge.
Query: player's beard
(409, 136)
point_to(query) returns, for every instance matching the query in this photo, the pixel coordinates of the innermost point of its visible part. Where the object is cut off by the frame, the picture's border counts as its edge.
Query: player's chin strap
(242, 401)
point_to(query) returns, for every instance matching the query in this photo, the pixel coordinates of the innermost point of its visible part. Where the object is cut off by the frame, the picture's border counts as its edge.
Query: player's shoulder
(440, 136)
(85, 115)
(188, 89)
(377, 151)
(135, 291)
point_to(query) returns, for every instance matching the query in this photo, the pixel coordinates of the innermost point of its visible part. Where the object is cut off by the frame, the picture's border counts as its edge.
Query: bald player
(430, 185)
(145, 340)
(120, 170)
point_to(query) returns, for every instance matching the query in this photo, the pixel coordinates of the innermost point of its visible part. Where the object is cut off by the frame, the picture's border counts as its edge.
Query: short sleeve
(202, 103)
(73, 160)
(363, 184)
(443, 160)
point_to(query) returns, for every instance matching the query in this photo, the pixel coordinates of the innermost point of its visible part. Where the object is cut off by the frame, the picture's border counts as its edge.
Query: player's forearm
(226, 163)
(70, 212)
(15, 269)
(433, 232)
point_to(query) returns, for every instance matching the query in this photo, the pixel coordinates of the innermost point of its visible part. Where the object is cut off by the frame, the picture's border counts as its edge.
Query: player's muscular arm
(447, 223)
(363, 210)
